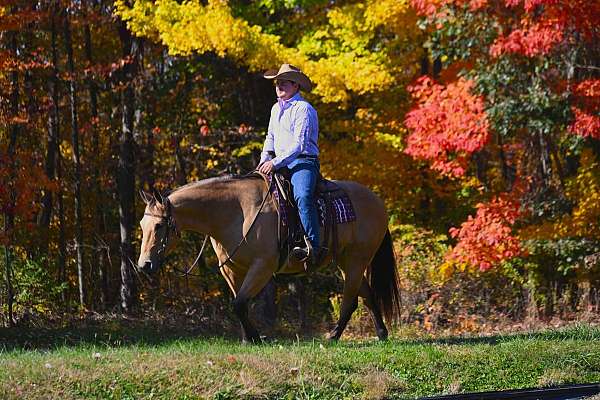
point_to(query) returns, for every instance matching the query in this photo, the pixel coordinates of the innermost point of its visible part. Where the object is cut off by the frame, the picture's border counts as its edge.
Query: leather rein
(172, 227)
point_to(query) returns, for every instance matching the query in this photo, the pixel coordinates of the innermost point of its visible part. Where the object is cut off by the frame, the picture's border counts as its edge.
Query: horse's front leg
(257, 277)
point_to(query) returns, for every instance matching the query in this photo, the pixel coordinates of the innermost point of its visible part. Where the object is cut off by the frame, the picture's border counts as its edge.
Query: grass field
(117, 365)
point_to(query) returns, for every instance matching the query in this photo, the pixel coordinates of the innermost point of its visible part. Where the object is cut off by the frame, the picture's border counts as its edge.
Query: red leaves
(585, 124)
(486, 239)
(430, 8)
(587, 118)
(539, 39)
(530, 5)
(539, 33)
(448, 125)
(543, 24)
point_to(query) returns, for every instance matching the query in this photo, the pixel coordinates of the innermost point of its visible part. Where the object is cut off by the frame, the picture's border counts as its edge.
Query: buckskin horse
(242, 225)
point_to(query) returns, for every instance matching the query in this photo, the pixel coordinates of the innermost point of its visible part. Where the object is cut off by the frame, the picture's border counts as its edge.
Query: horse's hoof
(382, 335)
(254, 339)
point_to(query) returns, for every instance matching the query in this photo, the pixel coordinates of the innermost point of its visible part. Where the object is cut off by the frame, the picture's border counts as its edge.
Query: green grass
(147, 367)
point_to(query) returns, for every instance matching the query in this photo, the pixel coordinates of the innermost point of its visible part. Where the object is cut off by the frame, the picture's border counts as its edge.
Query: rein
(171, 225)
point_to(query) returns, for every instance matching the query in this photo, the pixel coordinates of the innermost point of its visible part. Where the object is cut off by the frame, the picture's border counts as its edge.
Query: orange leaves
(530, 5)
(538, 39)
(448, 125)
(587, 119)
(431, 8)
(487, 239)
(540, 24)
(539, 32)
(585, 124)
(20, 185)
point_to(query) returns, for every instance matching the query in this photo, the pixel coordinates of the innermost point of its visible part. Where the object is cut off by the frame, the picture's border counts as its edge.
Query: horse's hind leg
(369, 300)
(352, 282)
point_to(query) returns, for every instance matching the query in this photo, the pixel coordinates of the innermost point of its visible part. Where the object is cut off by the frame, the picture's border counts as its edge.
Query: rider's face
(285, 89)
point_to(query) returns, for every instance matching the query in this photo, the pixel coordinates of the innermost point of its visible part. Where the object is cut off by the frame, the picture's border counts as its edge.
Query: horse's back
(371, 216)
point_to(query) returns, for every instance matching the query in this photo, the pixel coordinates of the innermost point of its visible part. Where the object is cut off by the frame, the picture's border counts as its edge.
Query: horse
(241, 218)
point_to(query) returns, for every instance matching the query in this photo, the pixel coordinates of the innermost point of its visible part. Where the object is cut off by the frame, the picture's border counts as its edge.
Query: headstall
(171, 225)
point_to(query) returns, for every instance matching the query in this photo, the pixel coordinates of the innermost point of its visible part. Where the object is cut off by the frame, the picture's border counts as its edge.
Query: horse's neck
(208, 209)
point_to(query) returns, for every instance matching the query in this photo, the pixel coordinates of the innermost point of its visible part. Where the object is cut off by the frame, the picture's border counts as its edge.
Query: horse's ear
(157, 196)
(146, 197)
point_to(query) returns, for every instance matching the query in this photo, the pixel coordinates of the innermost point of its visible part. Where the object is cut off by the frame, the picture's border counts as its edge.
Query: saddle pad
(342, 206)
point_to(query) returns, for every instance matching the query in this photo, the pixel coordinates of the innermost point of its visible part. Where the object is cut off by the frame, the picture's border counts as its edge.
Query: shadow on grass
(577, 332)
(117, 331)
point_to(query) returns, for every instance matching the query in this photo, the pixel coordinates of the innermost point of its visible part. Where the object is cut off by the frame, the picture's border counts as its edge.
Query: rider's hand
(266, 167)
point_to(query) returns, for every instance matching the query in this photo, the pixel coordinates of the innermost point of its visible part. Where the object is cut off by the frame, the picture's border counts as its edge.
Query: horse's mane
(217, 179)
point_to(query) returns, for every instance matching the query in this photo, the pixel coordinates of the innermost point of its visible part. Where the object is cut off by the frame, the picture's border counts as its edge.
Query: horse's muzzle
(148, 267)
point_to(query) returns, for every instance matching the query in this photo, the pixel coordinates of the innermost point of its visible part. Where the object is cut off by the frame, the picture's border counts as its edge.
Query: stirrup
(303, 253)
(315, 260)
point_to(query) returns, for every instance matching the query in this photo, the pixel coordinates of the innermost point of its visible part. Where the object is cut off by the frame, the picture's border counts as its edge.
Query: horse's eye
(158, 226)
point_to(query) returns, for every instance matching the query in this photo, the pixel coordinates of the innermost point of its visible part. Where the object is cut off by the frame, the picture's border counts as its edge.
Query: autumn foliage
(447, 126)
(528, 94)
(487, 238)
(439, 106)
(585, 109)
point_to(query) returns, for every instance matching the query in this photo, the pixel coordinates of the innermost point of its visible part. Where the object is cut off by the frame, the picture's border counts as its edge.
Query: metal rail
(567, 392)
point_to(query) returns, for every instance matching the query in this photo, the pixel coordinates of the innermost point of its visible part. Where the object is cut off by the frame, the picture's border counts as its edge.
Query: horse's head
(158, 231)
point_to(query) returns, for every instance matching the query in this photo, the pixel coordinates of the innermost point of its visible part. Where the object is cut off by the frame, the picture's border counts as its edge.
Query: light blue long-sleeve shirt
(293, 130)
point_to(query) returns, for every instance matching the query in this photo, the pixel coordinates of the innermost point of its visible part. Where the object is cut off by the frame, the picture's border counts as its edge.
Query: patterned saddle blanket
(334, 207)
(341, 205)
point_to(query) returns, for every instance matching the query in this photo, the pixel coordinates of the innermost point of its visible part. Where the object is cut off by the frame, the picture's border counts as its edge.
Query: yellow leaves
(395, 141)
(140, 18)
(191, 27)
(247, 149)
(337, 57)
(395, 15)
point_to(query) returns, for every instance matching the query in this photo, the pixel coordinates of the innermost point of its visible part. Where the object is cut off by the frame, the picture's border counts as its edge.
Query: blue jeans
(304, 174)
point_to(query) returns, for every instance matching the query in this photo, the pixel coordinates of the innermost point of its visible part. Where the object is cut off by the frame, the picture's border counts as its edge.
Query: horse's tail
(384, 281)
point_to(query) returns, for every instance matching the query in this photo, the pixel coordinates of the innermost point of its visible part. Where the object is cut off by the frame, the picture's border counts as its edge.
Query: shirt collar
(283, 104)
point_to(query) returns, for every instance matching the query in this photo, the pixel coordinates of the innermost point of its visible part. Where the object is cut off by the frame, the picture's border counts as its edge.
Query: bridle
(171, 225)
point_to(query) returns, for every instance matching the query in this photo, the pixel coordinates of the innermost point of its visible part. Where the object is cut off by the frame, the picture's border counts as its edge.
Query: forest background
(477, 121)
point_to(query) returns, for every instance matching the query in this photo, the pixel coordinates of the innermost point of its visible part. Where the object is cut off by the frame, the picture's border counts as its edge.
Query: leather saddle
(290, 230)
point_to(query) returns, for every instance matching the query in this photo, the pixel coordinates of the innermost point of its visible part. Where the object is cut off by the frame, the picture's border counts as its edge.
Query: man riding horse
(292, 144)
(242, 219)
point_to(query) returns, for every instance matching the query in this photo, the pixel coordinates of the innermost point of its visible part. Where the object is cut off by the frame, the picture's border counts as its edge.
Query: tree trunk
(545, 162)
(62, 240)
(126, 171)
(9, 217)
(53, 132)
(77, 164)
(100, 267)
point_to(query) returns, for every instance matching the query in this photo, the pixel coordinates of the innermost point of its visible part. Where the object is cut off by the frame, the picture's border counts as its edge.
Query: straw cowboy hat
(290, 73)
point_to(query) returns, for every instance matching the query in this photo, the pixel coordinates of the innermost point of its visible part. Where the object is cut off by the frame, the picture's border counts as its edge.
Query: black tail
(384, 281)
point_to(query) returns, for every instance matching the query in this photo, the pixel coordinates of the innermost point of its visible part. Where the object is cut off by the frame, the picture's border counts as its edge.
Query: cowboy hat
(290, 73)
